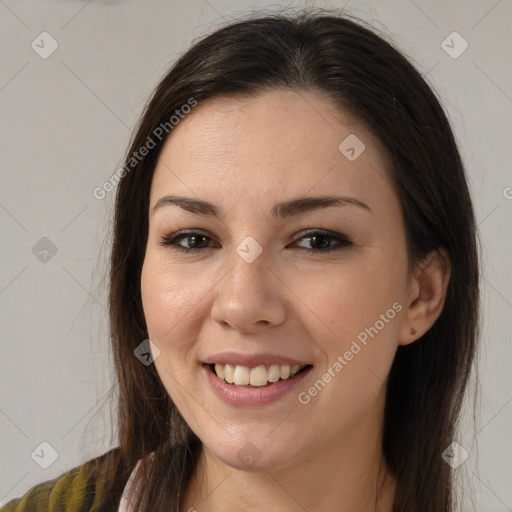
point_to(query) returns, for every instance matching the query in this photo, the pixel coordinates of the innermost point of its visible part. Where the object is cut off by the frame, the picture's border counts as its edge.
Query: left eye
(196, 241)
(323, 240)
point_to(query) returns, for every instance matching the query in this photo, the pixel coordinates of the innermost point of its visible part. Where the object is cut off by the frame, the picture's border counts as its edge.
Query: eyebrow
(279, 211)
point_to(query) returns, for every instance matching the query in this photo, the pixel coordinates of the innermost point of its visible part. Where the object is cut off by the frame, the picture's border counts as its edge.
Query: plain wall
(65, 124)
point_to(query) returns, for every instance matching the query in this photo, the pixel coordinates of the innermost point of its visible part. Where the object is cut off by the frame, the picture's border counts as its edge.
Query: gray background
(65, 124)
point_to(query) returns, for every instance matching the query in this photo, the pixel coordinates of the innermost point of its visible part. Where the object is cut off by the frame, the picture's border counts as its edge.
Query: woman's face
(274, 279)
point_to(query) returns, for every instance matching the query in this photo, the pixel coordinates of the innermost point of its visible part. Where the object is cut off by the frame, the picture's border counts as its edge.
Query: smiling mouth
(257, 376)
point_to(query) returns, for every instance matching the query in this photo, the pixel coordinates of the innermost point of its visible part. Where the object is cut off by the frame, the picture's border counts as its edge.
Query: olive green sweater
(74, 491)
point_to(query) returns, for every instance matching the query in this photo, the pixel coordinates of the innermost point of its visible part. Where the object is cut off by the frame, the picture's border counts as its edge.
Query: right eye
(195, 241)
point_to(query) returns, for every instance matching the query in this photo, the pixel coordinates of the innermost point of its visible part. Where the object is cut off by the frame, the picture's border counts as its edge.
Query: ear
(426, 297)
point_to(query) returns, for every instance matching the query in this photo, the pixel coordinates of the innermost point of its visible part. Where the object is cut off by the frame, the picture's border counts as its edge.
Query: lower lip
(250, 396)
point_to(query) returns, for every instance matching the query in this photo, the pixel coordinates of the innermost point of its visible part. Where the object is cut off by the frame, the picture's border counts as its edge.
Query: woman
(294, 234)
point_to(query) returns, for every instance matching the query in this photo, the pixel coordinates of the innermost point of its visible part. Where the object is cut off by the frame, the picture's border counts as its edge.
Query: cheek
(169, 301)
(353, 316)
(172, 303)
(344, 301)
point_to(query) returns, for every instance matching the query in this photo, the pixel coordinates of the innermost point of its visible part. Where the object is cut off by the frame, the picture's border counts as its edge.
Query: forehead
(274, 143)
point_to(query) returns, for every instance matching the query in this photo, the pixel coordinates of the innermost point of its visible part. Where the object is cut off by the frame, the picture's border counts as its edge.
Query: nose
(250, 297)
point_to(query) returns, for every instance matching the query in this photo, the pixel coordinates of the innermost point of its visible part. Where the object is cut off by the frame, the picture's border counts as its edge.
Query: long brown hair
(360, 71)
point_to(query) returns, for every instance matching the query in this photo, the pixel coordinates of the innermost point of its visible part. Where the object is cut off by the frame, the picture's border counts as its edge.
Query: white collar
(126, 504)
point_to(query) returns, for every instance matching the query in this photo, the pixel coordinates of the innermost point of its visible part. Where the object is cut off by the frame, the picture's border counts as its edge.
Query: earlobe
(427, 295)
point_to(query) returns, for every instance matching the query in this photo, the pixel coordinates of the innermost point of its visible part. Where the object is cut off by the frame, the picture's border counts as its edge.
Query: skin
(245, 155)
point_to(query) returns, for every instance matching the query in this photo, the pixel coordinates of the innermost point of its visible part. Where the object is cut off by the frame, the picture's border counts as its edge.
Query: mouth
(256, 376)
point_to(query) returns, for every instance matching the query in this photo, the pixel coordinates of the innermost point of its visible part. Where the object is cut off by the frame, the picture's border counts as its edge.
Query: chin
(251, 455)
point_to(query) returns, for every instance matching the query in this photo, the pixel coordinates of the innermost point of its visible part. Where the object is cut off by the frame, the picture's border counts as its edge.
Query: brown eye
(194, 241)
(324, 241)
(320, 241)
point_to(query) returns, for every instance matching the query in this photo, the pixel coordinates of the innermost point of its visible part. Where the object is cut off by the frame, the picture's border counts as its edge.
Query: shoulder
(73, 491)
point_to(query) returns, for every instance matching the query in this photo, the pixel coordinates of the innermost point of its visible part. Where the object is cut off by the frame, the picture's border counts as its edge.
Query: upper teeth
(256, 376)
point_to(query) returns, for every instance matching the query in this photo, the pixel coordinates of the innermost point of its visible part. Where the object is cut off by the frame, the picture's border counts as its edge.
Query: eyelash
(172, 241)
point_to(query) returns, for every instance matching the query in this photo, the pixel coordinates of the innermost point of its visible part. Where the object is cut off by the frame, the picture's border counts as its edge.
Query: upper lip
(263, 358)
